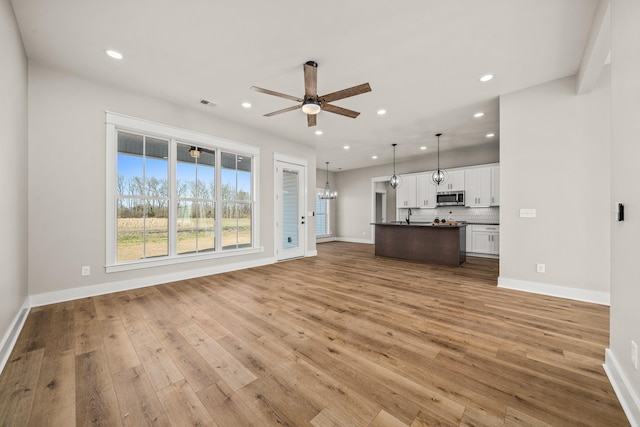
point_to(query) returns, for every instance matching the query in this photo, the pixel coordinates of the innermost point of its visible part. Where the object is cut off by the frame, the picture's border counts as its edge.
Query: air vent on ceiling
(207, 103)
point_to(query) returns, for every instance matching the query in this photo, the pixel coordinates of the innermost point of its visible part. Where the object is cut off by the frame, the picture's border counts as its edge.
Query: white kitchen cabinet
(485, 239)
(495, 185)
(478, 187)
(406, 193)
(454, 182)
(426, 191)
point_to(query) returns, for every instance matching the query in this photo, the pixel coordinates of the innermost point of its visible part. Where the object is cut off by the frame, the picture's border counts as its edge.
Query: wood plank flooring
(341, 339)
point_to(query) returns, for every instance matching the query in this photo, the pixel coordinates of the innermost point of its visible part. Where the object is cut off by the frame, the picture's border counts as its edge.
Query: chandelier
(327, 194)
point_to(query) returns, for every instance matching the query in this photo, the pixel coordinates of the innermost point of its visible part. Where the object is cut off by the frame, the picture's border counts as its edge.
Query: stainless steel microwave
(450, 198)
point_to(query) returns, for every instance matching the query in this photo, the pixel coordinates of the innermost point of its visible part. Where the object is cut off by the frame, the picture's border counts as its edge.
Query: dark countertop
(419, 224)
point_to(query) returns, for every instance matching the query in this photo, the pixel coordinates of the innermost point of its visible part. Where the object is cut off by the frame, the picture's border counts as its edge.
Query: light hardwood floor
(341, 339)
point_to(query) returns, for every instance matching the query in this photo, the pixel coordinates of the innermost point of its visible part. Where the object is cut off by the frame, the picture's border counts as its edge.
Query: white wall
(554, 157)
(625, 155)
(354, 186)
(67, 179)
(13, 171)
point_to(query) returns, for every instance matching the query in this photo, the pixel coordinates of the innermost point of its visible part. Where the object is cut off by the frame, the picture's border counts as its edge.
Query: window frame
(327, 215)
(118, 122)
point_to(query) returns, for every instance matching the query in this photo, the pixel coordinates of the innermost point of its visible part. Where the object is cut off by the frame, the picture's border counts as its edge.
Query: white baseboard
(11, 336)
(311, 253)
(352, 240)
(325, 239)
(125, 285)
(478, 255)
(629, 400)
(554, 290)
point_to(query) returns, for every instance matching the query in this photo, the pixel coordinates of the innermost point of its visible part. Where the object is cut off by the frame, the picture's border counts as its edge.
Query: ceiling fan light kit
(311, 104)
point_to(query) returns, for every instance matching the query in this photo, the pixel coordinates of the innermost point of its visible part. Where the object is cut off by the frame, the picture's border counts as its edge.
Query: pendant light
(327, 194)
(439, 176)
(194, 152)
(394, 180)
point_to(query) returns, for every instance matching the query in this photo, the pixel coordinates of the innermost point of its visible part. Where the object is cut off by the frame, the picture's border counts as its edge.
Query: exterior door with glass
(290, 210)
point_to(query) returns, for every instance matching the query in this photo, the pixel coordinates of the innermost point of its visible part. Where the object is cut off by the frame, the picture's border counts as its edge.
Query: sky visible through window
(130, 167)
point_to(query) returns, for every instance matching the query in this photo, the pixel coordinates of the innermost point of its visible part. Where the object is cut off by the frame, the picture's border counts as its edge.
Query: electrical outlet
(541, 268)
(364, 233)
(86, 270)
(634, 354)
(527, 213)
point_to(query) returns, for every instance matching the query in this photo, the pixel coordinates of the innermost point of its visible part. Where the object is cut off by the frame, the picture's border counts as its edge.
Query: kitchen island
(426, 242)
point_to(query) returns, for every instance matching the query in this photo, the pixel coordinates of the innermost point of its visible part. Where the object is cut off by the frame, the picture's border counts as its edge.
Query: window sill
(178, 259)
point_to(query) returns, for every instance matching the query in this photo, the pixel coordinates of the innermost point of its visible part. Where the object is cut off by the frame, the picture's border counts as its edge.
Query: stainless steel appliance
(450, 198)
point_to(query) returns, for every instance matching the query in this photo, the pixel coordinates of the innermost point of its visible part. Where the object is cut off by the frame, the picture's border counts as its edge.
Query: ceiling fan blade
(295, 107)
(339, 110)
(346, 93)
(310, 80)
(281, 95)
(311, 120)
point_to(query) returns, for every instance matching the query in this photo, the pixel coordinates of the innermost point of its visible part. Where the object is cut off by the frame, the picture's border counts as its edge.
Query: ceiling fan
(312, 104)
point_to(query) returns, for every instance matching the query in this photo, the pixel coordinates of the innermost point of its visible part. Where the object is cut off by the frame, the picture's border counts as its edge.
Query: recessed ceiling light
(486, 77)
(382, 112)
(246, 104)
(490, 135)
(423, 147)
(114, 54)
(478, 115)
(318, 132)
(374, 157)
(346, 147)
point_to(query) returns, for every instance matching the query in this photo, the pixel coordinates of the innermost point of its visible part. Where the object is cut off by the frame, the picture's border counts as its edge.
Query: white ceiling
(423, 59)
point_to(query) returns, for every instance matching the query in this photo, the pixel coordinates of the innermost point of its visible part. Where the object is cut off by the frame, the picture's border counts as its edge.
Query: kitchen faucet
(408, 219)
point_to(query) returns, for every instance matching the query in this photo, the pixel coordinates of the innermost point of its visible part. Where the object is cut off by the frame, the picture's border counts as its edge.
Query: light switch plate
(527, 213)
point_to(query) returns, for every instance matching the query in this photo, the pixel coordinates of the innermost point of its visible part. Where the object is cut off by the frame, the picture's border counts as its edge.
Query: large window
(322, 214)
(174, 195)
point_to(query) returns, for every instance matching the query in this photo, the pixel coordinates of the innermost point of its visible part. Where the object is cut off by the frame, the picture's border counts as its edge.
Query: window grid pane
(195, 188)
(322, 223)
(237, 209)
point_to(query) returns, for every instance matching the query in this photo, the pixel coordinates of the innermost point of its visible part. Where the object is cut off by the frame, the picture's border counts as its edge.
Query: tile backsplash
(458, 213)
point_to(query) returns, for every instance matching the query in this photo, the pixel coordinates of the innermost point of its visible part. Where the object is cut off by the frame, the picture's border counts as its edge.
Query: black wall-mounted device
(620, 212)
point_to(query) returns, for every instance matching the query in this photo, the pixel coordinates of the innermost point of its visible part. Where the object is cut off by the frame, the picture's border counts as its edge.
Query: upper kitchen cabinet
(406, 193)
(478, 187)
(426, 191)
(455, 182)
(495, 185)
